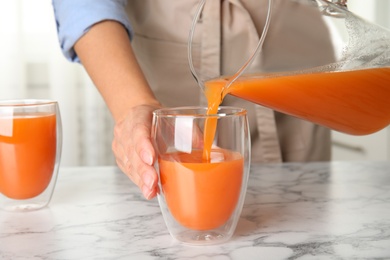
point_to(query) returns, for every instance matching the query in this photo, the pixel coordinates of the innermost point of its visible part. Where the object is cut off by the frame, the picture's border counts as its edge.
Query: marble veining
(338, 210)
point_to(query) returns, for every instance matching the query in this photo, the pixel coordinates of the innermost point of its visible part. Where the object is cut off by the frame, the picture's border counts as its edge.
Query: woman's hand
(133, 148)
(106, 53)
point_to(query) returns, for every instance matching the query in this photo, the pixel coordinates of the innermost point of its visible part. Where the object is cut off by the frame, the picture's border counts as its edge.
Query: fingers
(134, 151)
(146, 156)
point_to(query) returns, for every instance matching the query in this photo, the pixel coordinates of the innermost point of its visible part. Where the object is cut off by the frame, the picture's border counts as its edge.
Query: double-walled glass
(30, 151)
(203, 165)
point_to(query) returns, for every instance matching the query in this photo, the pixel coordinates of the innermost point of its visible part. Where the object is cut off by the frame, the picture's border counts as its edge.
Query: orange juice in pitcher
(350, 95)
(354, 102)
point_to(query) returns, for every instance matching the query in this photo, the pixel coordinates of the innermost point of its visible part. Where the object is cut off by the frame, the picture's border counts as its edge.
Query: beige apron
(226, 35)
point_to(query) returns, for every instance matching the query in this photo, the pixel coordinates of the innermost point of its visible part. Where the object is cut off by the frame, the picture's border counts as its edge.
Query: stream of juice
(201, 195)
(353, 102)
(27, 154)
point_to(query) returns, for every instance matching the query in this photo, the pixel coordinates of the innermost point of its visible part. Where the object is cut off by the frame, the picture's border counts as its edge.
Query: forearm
(105, 52)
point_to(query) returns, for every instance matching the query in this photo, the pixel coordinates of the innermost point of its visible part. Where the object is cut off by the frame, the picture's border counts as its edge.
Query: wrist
(120, 114)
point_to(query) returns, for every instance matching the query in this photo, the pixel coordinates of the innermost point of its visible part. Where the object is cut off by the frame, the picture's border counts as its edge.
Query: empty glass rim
(25, 102)
(199, 111)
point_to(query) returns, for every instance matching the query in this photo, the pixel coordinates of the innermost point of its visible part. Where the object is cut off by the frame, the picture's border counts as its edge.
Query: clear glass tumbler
(30, 152)
(203, 165)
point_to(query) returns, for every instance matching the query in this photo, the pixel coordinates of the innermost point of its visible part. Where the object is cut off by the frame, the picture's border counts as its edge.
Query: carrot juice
(201, 195)
(27, 154)
(354, 102)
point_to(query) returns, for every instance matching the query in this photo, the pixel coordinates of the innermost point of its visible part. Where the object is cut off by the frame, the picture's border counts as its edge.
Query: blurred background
(32, 66)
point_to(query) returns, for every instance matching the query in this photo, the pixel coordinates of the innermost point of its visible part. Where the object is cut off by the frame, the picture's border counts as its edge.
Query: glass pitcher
(347, 89)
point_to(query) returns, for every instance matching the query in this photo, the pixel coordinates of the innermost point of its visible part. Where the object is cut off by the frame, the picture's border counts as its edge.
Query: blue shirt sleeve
(75, 17)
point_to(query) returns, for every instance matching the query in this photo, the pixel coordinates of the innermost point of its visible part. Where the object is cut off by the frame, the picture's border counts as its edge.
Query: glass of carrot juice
(203, 166)
(30, 151)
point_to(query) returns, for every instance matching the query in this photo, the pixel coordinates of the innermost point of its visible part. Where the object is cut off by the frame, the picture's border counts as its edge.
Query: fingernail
(147, 158)
(148, 180)
(146, 192)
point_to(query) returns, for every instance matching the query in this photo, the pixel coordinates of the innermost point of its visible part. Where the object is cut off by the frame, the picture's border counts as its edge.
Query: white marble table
(339, 210)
